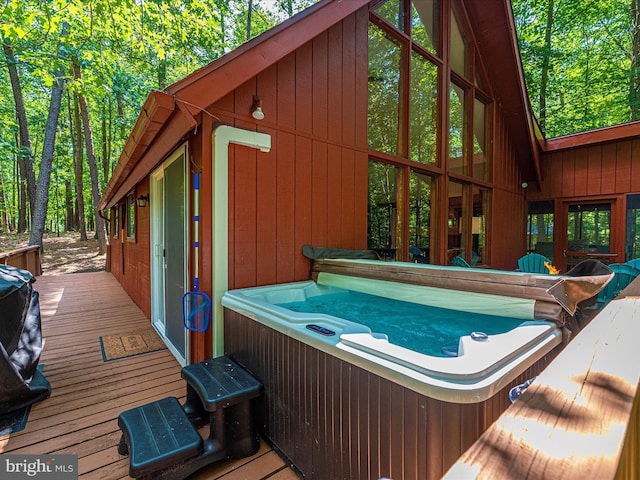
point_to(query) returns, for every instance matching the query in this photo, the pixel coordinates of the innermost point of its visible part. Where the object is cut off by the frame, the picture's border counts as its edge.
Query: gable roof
(169, 116)
(179, 105)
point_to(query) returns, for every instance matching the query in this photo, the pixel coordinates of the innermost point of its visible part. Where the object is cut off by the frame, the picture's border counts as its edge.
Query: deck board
(88, 394)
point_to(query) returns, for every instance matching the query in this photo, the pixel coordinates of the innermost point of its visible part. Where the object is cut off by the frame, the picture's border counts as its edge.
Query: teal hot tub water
(422, 328)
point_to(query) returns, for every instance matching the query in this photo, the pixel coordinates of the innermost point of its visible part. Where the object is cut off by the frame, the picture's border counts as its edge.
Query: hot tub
(483, 363)
(342, 400)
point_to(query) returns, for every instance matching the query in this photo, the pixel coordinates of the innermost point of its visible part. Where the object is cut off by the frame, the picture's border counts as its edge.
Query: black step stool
(160, 436)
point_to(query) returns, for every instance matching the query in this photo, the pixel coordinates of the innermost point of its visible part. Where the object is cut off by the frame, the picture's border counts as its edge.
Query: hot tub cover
(20, 341)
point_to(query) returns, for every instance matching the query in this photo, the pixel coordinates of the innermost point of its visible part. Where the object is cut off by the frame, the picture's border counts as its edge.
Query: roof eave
(593, 137)
(497, 33)
(155, 111)
(258, 54)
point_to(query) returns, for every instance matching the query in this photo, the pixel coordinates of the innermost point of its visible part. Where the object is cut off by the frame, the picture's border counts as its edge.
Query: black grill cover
(20, 341)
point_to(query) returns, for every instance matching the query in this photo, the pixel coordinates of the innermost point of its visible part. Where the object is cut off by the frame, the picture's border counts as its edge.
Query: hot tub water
(422, 328)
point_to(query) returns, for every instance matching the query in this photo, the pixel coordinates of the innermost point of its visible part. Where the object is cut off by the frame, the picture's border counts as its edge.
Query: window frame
(131, 220)
(473, 82)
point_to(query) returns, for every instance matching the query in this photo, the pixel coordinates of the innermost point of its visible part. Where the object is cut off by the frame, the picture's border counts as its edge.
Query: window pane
(116, 227)
(589, 228)
(456, 129)
(480, 170)
(540, 228)
(392, 12)
(456, 222)
(384, 91)
(459, 49)
(420, 217)
(632, 249)
(479, 225)
(131, 217)
(424, 109)
(382, 208)
(425, 24)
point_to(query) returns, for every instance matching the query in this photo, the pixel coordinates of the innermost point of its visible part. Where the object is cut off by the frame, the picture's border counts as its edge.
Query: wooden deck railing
(580, 417)
(27, 258)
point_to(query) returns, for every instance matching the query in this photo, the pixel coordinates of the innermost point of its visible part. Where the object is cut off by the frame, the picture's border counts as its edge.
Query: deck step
(157, 435)
(220, 383)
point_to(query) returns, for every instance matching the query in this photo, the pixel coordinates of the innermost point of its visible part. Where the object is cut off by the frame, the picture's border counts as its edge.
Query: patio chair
(533, 263)
(635, 263)
(459, 261)
(624, 275)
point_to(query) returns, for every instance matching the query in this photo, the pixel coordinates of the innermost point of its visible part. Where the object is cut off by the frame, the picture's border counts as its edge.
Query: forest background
(75, 72)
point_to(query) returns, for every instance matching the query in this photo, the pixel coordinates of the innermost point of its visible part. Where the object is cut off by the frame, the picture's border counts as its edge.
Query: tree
(578, 59)
(124, 49)
(77, 167)
(634, 82)
(44, 177)
(91, 158)
(25, 157)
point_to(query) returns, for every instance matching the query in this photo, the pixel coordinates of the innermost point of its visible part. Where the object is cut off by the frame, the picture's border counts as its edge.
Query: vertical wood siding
(136, 278)
(334, 420)
(598, 170)
(506, 238)
(312, 186)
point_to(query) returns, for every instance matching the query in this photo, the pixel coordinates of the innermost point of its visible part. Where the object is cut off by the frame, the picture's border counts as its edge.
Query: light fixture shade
(258, 114)
(256, 108)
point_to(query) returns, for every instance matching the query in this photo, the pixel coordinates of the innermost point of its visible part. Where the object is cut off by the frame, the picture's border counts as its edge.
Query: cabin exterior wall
(507, 240)
(312, 186)
(598, 172)
(130, 257)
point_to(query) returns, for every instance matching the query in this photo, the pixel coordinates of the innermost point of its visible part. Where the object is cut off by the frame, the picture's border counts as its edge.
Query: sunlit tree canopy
(580, 60)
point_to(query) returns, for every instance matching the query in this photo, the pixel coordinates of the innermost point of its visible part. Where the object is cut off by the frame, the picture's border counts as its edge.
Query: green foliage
(125, 48)
(589, 62)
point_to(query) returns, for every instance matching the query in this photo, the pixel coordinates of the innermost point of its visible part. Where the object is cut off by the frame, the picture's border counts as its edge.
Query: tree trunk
(4, 207)
(69, 221)
(91, 158)
(21, 190)
(44, 177)
(77, 168)
(546, 60)
(634, 77)
(25, 155)
(105, 144)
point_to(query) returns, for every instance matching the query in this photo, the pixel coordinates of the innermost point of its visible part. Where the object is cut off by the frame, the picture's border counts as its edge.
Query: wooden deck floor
(88, 394)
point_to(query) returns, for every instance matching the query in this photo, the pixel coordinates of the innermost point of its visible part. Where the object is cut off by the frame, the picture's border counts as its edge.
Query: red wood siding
(609, 169)
(507, 227)
(312, 186)
(136, 277)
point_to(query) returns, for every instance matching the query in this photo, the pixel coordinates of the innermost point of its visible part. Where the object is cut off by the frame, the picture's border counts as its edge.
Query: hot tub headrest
(582, 282)
(315, 253)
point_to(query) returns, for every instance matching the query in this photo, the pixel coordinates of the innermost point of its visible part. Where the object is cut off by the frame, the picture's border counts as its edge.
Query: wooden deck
(88, 394)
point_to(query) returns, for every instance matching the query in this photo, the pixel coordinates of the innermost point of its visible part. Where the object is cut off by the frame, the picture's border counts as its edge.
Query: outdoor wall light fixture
(256, 108)
(142, 200)
(525, 184)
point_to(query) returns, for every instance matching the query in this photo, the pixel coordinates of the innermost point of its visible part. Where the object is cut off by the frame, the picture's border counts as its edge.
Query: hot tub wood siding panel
(334, 420)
